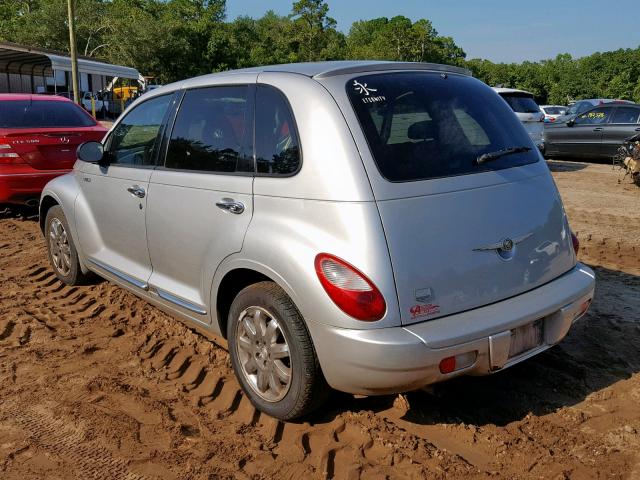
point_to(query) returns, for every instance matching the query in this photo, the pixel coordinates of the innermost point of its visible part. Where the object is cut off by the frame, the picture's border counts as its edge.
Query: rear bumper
(24, 183)
(391, 360)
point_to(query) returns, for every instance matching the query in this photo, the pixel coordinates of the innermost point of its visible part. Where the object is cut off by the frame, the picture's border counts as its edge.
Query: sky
(497, 30)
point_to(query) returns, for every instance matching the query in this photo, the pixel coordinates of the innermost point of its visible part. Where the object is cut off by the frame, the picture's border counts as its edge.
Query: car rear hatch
(48, 149)
(46, 133)
(527, 111)
(460, 233)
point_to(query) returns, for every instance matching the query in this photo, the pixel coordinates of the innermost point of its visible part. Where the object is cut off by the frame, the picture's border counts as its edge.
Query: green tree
(314, 32)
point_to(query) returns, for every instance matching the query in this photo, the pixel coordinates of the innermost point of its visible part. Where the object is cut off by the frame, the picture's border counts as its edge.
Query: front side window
(277, 146)
(134, 140)
(43, 114)
(594, 117)
(423, 125)
(625, 115)
(211, 131)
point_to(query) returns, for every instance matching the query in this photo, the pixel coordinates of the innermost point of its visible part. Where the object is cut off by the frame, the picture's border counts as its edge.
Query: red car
(39, 135)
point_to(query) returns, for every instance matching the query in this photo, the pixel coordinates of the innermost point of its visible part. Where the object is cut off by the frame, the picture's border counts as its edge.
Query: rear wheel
(61, 250)
(272, 353)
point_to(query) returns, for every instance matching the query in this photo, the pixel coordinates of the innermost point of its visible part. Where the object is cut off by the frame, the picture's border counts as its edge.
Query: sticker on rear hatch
(366, 90)
(424, 311)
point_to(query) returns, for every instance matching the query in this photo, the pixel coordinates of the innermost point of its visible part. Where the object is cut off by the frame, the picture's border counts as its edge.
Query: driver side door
(112, 206)
(584, 137)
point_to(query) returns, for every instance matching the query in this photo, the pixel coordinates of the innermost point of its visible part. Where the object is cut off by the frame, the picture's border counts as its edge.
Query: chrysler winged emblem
(505, 245)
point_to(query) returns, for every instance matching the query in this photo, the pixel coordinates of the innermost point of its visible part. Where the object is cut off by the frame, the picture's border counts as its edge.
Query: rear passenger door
(624, 123)
(200, 200)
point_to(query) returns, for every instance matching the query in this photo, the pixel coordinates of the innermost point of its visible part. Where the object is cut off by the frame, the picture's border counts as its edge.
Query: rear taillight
(349, 288)
(8, 156)
(575, 242)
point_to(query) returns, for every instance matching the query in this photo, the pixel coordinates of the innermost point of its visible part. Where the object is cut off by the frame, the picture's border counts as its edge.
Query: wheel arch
(63, 191)
(46, 203)
(234, 276)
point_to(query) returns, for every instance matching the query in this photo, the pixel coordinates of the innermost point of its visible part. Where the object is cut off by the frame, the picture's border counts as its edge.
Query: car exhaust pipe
(32, 202)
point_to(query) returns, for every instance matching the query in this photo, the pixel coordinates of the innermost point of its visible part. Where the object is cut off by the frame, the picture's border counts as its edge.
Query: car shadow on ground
(566, 166)
(19, 212)
(600, 350)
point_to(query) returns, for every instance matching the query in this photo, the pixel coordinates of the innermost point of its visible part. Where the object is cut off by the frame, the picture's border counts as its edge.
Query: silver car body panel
(174, 247)
(381, 361)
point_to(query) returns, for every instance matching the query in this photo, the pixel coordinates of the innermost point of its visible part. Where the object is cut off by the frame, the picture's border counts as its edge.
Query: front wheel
(272, 353)
(61, 250)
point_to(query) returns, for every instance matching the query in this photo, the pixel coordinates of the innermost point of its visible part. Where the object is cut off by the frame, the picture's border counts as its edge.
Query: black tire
(74, 275)
(307, 388)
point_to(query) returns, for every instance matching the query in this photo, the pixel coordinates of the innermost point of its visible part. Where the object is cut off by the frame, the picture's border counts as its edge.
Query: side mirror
(91, 152)
(571, 122)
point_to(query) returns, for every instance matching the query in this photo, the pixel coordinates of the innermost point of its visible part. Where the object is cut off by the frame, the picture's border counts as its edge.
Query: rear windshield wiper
(487, 157)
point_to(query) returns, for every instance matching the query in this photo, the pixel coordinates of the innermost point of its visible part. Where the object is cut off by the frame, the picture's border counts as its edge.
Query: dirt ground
(95, 383)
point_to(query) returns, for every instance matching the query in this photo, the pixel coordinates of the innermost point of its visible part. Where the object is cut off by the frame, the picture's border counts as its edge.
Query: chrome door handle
(137, 191)
(597, 129)
(638, 129)
(230, 205)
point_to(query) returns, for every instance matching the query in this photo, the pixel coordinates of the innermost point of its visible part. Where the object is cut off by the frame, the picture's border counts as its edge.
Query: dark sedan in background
(596, 133)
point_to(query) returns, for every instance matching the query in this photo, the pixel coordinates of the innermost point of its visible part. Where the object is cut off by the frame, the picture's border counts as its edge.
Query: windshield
(579, 107)
(422, 125)
(521, 102)
(42, 114)
(554, 110)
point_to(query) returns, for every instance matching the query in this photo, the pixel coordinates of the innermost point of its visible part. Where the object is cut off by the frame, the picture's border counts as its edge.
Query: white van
(527, 111)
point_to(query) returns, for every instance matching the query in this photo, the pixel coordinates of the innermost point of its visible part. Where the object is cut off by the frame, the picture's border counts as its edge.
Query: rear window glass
(43, 114)
(424, 125)
(521, 102)
(554, 110)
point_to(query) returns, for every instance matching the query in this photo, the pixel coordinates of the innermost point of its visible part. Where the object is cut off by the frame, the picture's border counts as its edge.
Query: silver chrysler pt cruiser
(371, 227)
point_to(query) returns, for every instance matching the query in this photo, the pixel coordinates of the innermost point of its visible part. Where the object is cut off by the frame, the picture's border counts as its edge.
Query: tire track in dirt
(352, 439)
(338, 448)
(88, 459)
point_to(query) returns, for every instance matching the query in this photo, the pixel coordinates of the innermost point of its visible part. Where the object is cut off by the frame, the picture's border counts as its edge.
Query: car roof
(317, 70)
(340, 67)
(511, 90)
(556, 106)
(597, 101)
(32, 97)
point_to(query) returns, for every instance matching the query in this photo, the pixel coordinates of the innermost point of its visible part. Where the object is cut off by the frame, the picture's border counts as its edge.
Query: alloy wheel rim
(263, 352)
(59, 247)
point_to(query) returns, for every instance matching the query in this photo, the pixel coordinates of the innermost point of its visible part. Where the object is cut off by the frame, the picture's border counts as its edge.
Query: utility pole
(74, 50)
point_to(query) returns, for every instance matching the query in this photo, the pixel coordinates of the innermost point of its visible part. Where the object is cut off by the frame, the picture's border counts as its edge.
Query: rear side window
(594, 117)
(422, 125)
(521, 102)
(134, 140)
(211, 131)
(42, 114)
(277, 145)
(625, 115)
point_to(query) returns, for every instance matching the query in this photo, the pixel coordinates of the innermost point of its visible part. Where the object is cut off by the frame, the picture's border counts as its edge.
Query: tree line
(176, 39)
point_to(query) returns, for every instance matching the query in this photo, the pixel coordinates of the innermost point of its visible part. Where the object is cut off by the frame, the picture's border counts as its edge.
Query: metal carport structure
(26, 69)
